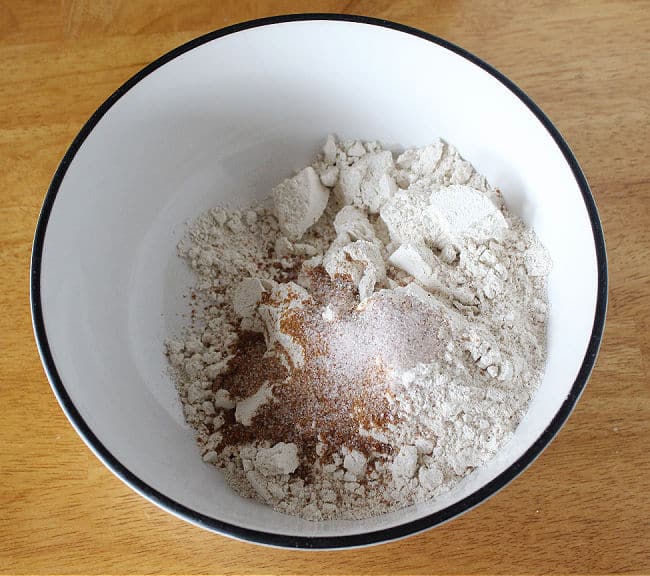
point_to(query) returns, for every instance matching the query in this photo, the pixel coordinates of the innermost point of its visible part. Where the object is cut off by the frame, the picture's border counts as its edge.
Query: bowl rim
(314, 542)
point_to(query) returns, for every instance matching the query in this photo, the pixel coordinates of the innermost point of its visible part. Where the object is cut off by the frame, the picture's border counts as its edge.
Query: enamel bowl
(223, 119)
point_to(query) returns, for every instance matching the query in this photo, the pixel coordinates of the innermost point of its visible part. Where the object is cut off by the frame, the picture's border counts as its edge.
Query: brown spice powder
(317, 402)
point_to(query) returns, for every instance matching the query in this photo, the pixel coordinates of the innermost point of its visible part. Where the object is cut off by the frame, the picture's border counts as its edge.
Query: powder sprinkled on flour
(366, 341)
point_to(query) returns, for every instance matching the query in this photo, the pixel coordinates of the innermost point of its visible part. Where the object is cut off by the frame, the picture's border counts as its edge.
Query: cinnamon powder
(320, 402)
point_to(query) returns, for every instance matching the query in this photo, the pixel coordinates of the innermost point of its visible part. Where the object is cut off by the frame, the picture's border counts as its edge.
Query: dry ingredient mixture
(367, 339)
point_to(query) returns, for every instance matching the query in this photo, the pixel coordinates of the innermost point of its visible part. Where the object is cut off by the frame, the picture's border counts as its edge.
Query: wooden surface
(583, 507)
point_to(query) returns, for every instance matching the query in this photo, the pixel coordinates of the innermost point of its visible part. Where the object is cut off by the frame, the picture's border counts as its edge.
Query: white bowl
(224, 118)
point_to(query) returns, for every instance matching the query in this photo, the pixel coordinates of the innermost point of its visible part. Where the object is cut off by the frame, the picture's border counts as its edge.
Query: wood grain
(582, 507)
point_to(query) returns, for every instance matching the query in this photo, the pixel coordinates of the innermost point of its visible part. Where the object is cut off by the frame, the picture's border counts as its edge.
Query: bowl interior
(225, 122)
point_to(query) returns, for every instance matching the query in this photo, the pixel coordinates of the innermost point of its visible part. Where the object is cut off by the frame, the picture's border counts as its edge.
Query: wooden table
(583, 507)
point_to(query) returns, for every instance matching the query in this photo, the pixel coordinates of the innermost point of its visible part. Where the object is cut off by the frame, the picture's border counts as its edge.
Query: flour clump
(366, 339)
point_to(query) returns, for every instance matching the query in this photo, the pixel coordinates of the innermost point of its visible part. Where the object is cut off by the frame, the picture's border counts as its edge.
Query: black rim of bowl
(307, 542)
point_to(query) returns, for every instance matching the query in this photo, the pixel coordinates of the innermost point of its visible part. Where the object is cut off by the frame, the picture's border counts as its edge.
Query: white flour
(359, 350)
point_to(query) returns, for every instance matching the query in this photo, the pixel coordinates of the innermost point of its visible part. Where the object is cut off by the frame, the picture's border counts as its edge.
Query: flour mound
(366, 341)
